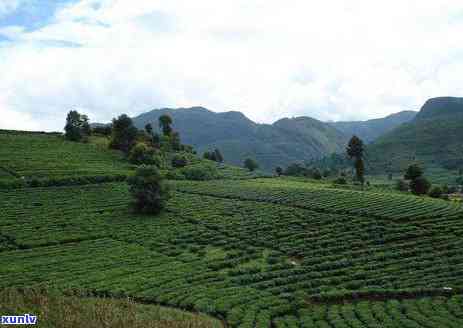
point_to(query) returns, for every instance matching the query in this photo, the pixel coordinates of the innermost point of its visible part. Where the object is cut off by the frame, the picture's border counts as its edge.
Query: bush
(316, 174)
(142, 154)
(148, 189)
(175, 175)
(340, 181)
(179, 161)
(401, 185)
(200, 173)
(250, 164)
(435, 192)
(420, 186)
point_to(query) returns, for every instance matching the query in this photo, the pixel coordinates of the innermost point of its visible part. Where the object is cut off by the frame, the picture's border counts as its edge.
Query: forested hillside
(433, 138)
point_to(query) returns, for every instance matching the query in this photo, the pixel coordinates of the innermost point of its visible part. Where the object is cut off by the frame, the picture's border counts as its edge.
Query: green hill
(370, 130)
(433, 138)
(278, 144)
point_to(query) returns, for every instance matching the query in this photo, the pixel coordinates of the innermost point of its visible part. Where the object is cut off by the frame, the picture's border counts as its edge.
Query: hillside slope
(281, 143)
(370, 130)
(433, 138)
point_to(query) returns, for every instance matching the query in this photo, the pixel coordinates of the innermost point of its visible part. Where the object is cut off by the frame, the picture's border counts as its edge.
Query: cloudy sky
(331, 59)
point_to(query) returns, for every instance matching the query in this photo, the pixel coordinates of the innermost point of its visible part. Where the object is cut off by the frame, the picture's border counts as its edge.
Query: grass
(53, 309)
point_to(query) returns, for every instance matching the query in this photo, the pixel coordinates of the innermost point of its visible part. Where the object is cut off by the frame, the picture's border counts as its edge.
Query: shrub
(200, 173)
(175, 175)
(179, 161)
(142, 154)
(250, 164)
(341, 181)
(316, 174)
(435, 192)
(149, 190)
(420, 186)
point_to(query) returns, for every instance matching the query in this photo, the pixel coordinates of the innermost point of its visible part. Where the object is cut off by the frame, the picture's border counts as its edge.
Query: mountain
(279, 144)
(370, 130)
(433, 138)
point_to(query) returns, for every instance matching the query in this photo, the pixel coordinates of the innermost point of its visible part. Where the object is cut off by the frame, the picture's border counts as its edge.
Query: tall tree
(355, 151)
(149, 191)
(175, 140)
(124, 133)
(77, 127)
(165, 122)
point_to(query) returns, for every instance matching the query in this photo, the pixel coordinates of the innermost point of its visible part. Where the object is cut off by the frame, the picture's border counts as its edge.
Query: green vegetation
(75, 310)
(252, 251)
(77, 127)
(250, 164)
(148, 189)
(40, 155)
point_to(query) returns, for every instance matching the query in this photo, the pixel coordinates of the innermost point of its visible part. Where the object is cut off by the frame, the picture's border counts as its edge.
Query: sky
(331, 60)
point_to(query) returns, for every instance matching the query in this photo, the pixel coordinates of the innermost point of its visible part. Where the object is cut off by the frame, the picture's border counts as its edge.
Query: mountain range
(433, 138)
(286, 141)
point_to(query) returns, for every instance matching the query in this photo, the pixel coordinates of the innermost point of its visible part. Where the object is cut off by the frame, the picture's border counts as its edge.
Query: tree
(165, 122)
(149, 129)
(436, 192)
(141, 154)
(175, 141)
(77, 127)
(413, 171)
(355, 151)
(401, 185)
(148, 189)
(218, 155)
(124, 133)
(315, 174)
(207, 155)
(420, 186)
(250, 164)
(278, 170)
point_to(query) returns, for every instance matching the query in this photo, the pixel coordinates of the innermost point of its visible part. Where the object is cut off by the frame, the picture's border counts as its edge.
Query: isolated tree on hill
(148, 189)
(250, 164)
(419, 185)
(218, 155)
(278, 170)
(124, 133)
(165, 122)
(207, 155)
(355, 151)
(77, 127)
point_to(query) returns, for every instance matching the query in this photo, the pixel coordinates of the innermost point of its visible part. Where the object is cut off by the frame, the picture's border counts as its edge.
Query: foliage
(72, 308)
(239, 250)
(200, 172)
(179, 161)
(278, 170)
(250, 164)
(77, 127)
(355, 151)
(148, 189)
(142, 154)
(340, 181)
(124, 133)
(175, 141)
(104, 130)
(165, 122)
(420, 186)
(413, 171)
(435, 192)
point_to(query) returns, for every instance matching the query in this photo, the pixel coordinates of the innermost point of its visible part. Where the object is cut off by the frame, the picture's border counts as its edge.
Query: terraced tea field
(50, 156)
(256, 252)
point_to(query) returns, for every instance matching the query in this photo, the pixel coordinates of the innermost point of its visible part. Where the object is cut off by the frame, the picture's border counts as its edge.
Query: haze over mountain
(285, 141)
(433, 138)
(369, 130)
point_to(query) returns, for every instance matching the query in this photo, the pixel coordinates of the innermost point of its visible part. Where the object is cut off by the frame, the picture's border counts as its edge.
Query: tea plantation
(256, 252)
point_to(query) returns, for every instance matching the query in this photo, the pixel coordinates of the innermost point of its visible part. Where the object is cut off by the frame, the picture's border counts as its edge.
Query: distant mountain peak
(441, 106)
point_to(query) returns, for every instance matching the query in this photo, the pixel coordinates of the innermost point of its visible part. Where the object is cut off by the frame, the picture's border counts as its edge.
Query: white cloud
(331, 60)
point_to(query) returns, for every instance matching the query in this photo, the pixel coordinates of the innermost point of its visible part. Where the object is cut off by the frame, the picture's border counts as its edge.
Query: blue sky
(332, 60)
